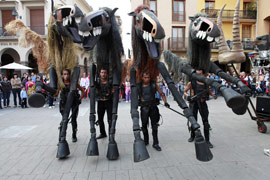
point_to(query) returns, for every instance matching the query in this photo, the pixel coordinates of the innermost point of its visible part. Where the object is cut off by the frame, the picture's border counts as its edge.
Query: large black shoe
(101, 136)
(146, 143)
(157, 147)
(210, 145)
(74, 137)
(191, 139)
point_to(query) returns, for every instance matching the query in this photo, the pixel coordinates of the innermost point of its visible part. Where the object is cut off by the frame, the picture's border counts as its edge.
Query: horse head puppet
(147, 33)
(97, 24)
(202, 32)
(67, 19)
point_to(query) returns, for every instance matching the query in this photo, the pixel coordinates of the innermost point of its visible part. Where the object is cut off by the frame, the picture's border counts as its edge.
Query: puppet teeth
(80, 33)
(157, 40)
(70, 19)
(198, 34)
(94, 31)
(99, 30)
(217, 39)
(150, 37)
(146, 36)
(209, 38)
(78, 20)
(203, 35)
(86, 33)
(64, 21)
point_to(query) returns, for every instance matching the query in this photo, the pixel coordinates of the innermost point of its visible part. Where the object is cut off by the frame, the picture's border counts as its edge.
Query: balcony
(178, 16)
(38, 29)
(244, 14)
(176, 44)
(247, 44)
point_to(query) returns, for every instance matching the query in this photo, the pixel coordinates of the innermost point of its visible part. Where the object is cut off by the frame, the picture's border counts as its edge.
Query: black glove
(167, 105)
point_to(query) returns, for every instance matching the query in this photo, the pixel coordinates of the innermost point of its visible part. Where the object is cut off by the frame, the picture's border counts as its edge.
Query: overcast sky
(124, 8)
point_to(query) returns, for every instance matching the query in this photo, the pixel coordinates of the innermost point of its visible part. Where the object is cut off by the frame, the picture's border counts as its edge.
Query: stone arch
(7, 56)
(31, 61)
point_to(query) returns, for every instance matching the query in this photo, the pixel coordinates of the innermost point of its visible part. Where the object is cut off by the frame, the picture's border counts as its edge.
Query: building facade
(263, 21)
(35, 14)
(174, 17)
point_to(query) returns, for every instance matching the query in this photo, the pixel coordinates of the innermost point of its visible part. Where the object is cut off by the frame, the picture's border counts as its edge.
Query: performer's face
(65, 75)
(200, 72)
(146, 78)
(103, 74)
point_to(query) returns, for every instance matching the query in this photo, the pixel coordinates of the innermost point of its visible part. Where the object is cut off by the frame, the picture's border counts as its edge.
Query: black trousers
(16, 92)
(203, 110)
(151, 112)
(74, 114)
(24, 102)
(6, 96)
(102, 107)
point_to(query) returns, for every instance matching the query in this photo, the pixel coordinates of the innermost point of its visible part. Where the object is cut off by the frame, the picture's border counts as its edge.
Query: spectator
(1, 95)
(181, 87)
(24, 79)
(24, 98)
(1, 77)
(16, 89)
(262, 83)
(6, 87)
(84, 83)
(127, 91)
(30, 86)
(33, 77)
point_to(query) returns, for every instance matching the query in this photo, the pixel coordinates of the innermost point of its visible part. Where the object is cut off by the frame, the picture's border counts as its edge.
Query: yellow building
(263, 21)
(248, 15)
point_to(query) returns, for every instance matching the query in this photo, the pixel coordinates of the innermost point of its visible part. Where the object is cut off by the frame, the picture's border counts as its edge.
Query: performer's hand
(167, 105)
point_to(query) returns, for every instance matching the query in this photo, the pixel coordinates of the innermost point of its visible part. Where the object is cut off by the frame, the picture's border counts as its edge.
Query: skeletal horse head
(236, 54)
(148, 29)
(202, 32)
(67, 19)
(96, 24)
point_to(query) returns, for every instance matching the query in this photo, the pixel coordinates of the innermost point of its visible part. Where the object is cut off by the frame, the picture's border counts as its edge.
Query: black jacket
(6, 86)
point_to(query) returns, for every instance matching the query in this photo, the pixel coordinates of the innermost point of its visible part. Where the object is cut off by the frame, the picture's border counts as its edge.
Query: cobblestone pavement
(28, 139)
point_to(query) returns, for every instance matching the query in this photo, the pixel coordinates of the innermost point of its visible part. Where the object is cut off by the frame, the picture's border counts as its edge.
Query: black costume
(198, 103)
(74, 107)
(104, 94)
(149, 109)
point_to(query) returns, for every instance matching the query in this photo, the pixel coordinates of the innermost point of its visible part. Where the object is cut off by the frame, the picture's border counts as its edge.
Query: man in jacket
(16, 88)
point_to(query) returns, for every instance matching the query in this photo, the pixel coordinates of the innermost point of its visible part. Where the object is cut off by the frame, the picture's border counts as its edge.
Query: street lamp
(14, 12)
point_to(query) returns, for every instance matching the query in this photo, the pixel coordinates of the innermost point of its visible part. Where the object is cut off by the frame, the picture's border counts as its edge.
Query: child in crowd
(24, 97)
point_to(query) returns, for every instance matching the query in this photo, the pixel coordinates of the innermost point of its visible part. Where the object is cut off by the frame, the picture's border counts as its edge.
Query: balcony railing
(38, 29)
(4, 33)
(244, 14)
(176, 44)
(178, 16)
(247, 45)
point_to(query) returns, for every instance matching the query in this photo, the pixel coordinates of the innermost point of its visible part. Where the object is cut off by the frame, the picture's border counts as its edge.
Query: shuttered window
(37, 21)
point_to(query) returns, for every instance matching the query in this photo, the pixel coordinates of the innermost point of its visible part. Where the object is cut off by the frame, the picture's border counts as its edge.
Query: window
(37, 21)
(6, 18)
(153, 6)
(246, 31)
(178, 37)
(209, 5)
(178, 11)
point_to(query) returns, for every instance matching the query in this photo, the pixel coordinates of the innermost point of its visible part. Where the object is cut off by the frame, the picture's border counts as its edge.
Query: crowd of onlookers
(22, 88)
